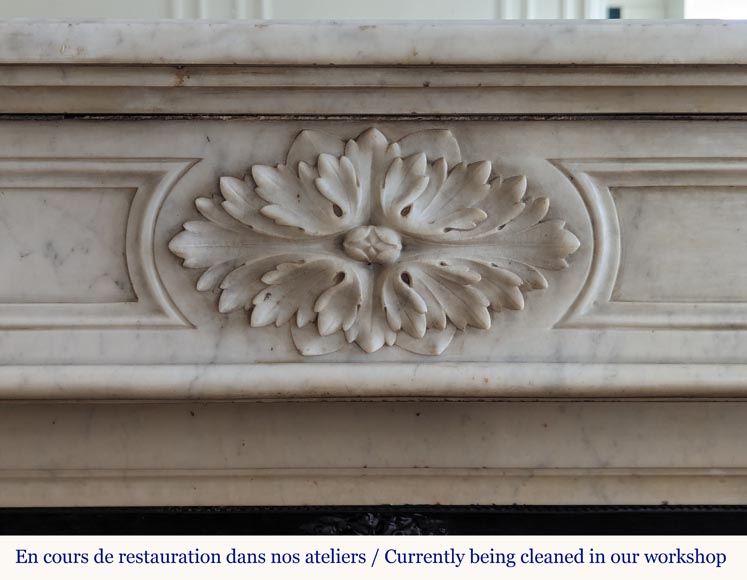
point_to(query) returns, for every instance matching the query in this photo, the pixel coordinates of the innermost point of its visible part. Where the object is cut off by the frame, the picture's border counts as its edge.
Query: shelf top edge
(373, 43)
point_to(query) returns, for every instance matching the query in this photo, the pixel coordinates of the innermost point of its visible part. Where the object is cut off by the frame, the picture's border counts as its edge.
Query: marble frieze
(377, 216)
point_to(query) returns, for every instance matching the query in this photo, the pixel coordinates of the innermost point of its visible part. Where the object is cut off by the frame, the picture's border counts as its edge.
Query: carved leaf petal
(502, 204)
(434, 143)
(212, 209)
(435, 314)
(525, 242)
(371, 330)
(545, 245)
(370, 153)
(405, 181)
(448, 202)
(338, 306)
(535, 211)
(338, 183)
(309, 145)
(203, 244)
(295, 201)
(437, 173)
(450, 289)
(533, 279)
(241, 285)
(239, 198)
(243, 204)
(465, 186)
(433, 343)
(214, 275)
(501, 286)
(462, 219)
(294, 288)
(310, 343)
(405, 309)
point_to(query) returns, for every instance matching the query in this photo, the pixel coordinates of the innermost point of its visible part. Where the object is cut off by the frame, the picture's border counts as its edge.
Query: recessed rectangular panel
(64, 245)
(669, 244)
(73, 241)
(688, 259)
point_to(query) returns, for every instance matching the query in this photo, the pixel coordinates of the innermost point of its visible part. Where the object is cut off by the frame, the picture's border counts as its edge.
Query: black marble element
(379, 520)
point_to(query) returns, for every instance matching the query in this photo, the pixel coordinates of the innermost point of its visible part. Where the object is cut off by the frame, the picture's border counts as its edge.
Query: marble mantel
(363, 263)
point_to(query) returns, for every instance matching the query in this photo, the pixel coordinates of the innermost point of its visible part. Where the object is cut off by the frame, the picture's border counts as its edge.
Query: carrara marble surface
(372, 262)
(373, 42)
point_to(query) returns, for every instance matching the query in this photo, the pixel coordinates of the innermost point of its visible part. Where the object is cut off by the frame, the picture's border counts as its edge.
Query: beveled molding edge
(563, 91)
(371, 42)
(246, 67)
(347, 486)
(374, 381)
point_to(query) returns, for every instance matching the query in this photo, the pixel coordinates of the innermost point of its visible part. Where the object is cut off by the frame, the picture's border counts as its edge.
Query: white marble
(373, 42)
(559, 218)
(599, 316)
(373, 453)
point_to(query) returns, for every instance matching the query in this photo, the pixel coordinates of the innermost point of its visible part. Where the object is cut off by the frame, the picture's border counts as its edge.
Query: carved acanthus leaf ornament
(373, 242)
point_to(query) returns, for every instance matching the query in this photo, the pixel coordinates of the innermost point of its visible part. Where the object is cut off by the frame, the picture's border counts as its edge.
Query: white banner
(473, 557)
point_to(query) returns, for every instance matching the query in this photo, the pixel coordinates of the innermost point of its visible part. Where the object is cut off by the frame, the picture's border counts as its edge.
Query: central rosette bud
(373, 244)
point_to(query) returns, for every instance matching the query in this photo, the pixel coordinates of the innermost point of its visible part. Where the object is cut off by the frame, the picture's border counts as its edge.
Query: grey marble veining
(528, 239)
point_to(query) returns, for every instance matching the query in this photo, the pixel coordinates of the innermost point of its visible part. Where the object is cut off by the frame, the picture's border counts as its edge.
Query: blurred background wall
(365, 9)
